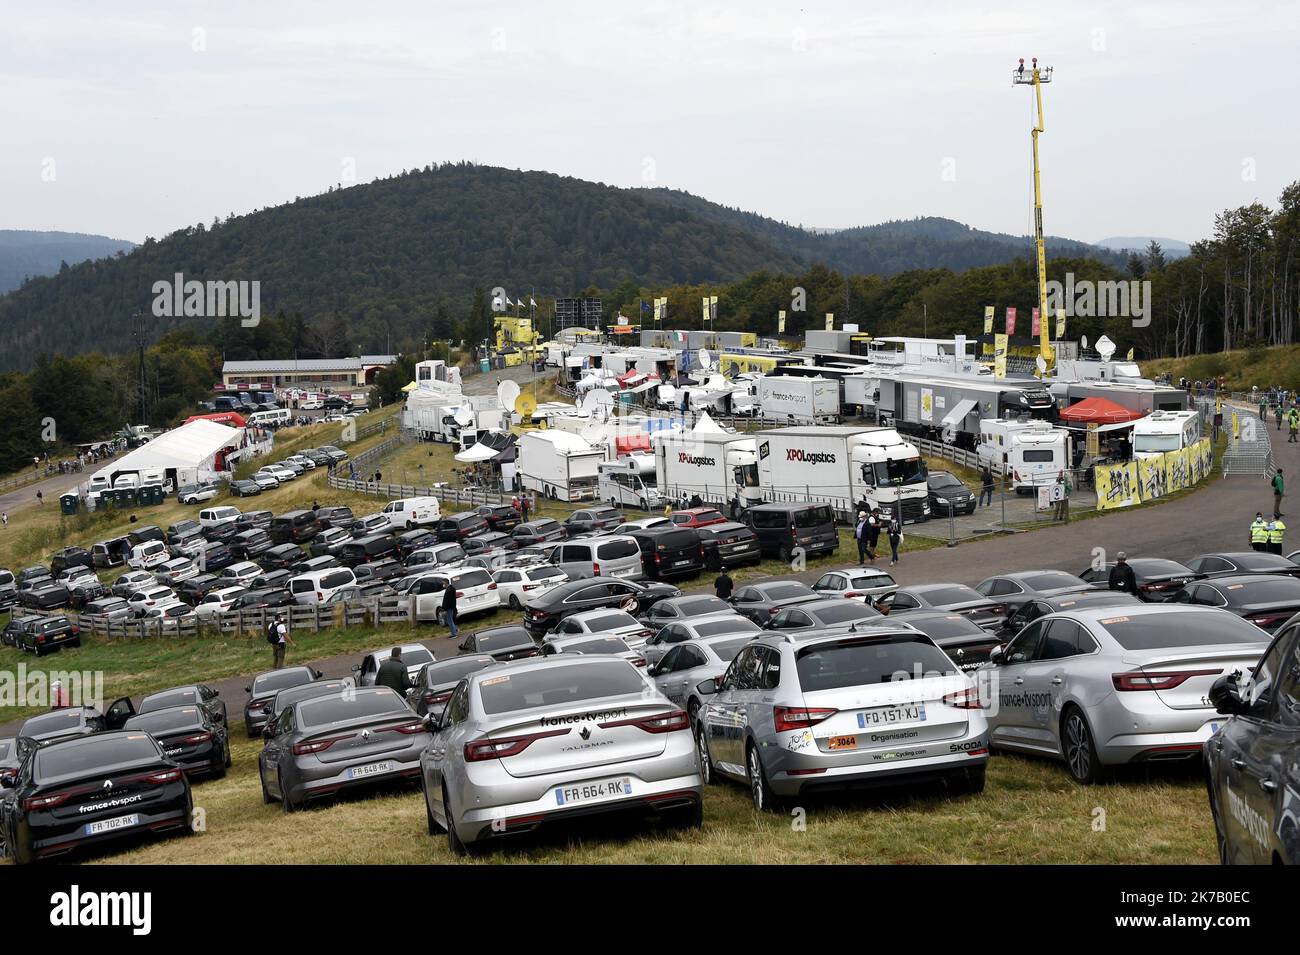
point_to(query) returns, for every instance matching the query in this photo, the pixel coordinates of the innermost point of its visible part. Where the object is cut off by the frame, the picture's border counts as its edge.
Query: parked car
(458, 527)
(251, 519)
(486, 543)
(42, 635)
(867, 584)
(760, 601)
(44, 595)
(511, 642)
(831, 613)
(435, 682)
(594, 593)
(77, 557)
(1158, 579)
(1243, 562)
(262, 691)
(669, 551)
(536, 532)
(948, 495)
(246, 487)
(250, 544)
(334, 515)
(196, 493)
(329, 541)
(368, 549)
(1032, 609)
(728, 544)
(1266, 600)
(783, 529)
(409, 542)
(476, 592)
(519, 587)
(318, 586)
(111, 553)
(281, 556)
(211, 517)
(685, 665)
(437, 557)
(294, 527)
(617, 556)
(414, 657)
(218, 601)
(500, 517)
(601, 517)
(605, 623)
(697, 517)
(959, 598)
(1013, 589)
(697, 628)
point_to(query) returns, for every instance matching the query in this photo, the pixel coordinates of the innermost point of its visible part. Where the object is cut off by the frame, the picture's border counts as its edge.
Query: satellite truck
(844, 465)
(793, 400)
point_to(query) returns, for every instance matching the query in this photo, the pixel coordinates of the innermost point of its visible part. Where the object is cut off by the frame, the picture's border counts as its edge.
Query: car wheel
(454, 843)
(764, 799)
(702, 751)
(287, 804)
(1080, 753)
(514, 603)
(784, 554)
(967, 782)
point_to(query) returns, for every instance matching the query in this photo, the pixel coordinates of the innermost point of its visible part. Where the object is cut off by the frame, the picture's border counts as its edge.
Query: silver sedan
(663, 641)
(686, 664)
(532, 742)
(1111, 685)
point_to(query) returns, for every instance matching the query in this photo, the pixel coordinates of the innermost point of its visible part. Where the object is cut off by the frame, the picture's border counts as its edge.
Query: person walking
(392, 673)
(723, 586)
(1277, 413)
(4, 518)
(1063, 505)
(449, 611)
(279, 639)
(1292, 424)
(1279, 489)
(986, 486)
(1121, 576)
(524, 508)
(873, 533)
(1276, 531)
(40, 498)
(895, 538)
(860, 535)
(1259, 532)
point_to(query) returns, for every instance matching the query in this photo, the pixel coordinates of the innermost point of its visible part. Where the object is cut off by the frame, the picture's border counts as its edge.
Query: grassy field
(1030, 812)
(1242, 369)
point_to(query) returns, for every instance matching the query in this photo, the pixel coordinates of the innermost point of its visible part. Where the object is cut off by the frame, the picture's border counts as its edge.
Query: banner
(1011, 321)
(1152, 477)
(704, 308)
(830, 321)
(999, 356)
(713, 308)
(1117, 485)
(1033, 323)
(780, 322)
(1180, 475)
(1236, 427)
(1060, 324)
(988, 319)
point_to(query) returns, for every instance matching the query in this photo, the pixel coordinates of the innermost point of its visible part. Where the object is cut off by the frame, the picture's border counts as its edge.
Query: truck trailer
(559, 465)
(951, 409)
(796, 401)
(720, 467)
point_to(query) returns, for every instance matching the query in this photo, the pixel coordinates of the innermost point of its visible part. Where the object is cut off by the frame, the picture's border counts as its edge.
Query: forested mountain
(380, 265)
(24, 254)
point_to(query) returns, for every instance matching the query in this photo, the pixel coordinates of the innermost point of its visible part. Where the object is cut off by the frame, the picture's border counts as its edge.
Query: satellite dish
(507, 393)
(1041, 364)
(525, 405)
(592, 433)
(464, 416)
(705, 359)
(1105, 348)
(1083, 343)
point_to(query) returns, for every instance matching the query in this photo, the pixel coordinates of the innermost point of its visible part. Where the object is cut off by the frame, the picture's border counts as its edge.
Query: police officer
(1276, 530)
(1259, 533)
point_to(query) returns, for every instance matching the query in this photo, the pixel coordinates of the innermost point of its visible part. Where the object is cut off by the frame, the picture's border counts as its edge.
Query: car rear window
(846, 611)
(833, 666)
(82, 756)
(613, 550)
(1155, 567)
(280, 679)
(545, 572)
(1052, 580)
(949, 625)
(611, 621)
(51, 722)
(180, 717)
(1158, 631)
(349, 705)
(786, 591)
(492, 642)
(558, 686)
(597, 645)
(956, 594)
(813, 517)
(736, 624)
(416, 657)
(1263, 590)
(339, 578)
(474, 578)
(881, 580)
(727, 649)
(699, 606)
(163, 700)
(453, 671)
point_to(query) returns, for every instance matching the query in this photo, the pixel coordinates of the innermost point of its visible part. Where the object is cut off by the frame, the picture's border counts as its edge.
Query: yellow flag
(1060, 324)
(1130, 354)
(780, 322)
(830, 321)
(988, 319)
(999, 356)
(1236, 427)
(705, 307)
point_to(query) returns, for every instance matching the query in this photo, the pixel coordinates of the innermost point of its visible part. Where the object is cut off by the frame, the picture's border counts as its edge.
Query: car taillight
(166, 776)
(482, 749)
(638, 662)
(967, 699)
(659, 723)
(595, 569)
(773, 609)
(431, 697)
(799, 717)
(1139, 680)
(406, 729)
(854, 593)
(530, 586)
(45, 802)
(197, 738)
(318, 745)
(492, 586)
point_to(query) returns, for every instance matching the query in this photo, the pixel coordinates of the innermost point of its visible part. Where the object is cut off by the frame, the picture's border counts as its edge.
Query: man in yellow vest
(1259, 533)
(1276, 529)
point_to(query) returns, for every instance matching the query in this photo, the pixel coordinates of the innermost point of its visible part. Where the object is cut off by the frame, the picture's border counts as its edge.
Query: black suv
(669, 551)
(454, 528)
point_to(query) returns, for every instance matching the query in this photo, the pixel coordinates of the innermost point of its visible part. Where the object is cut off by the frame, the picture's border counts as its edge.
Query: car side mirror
(652, 670)
(356, 668)
(1225, 695)
(432, 722)
(997, 654)
(268, 731)
(248, 689)
(707, 687)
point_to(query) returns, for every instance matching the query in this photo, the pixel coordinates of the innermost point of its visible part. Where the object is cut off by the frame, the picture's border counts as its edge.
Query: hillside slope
(26, 254)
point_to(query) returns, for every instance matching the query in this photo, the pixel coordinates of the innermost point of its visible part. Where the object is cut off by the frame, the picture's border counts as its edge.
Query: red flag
(1011, 321)
(1033, 322)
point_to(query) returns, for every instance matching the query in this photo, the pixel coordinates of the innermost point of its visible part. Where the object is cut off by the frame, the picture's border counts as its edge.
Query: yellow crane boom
(1036, 77)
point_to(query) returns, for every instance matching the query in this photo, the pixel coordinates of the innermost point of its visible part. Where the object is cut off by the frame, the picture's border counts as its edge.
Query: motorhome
(559, 465)
(843, 466)
(1028, 452)
(629, 480)
(1163, 431)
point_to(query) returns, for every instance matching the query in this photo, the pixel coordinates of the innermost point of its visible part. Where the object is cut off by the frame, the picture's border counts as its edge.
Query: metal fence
(1250, 449)
(471, 496)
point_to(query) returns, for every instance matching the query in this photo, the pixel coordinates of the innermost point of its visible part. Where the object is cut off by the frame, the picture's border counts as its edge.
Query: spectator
(860, 535)
(986, 486)
(280, 640)
(1121, 576)
(449, 611)
(40, 498)
(895, 538)
(873, 533)
(723, 586)
(1278, 490)
(392, 673)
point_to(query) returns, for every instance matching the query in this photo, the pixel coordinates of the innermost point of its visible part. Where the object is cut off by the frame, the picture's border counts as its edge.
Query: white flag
(508, 302)
(531, 302)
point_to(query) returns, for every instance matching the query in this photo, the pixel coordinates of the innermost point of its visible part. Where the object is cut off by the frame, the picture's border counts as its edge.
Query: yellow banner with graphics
(1117, 485)
(1180, 475)
(988, 319)
(1060, 324)
(1153, 477)
(830, 321)
(999, 356)
(780, 322)
(1204, 450)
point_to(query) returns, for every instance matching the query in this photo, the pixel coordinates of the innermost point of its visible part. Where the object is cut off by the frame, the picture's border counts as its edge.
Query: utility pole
(138, 334)
(1035, 78)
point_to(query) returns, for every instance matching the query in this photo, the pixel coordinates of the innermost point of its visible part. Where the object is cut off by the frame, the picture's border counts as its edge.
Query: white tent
(707, 425)
(184, 455)
(477, 453)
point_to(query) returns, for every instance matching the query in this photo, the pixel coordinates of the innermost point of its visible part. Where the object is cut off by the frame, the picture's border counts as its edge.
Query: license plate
(890, 715)
(625, 573)
(681, 563)
(593, 792)
(370, 769)
(842, 742)
(112, 825)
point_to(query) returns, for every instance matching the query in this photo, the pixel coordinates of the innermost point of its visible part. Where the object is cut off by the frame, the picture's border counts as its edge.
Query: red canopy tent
(1099, 410)
(231, 418)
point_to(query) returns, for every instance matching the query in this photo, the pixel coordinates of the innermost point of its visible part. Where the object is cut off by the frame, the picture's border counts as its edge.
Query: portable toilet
(69, 504)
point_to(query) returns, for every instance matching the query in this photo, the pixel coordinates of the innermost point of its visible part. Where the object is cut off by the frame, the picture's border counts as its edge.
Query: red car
(697, 517)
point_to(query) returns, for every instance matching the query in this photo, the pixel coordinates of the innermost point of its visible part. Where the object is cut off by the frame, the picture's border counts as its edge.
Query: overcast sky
(133, 119)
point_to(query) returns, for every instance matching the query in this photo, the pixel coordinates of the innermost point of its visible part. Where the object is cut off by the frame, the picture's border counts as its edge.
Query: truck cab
(892, 475)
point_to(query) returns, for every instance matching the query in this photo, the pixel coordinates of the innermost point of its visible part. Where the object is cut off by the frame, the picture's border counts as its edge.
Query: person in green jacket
(1293, 424)
(392, 673)
(1278, 491)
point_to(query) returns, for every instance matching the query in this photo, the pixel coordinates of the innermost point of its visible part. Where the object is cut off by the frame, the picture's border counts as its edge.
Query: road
(1213, 518)
(50, 489)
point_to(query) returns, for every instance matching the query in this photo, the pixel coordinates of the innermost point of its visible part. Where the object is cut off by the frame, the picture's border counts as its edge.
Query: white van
(313, 403)
(320, 585)
(271, 419)
(216, 516)
(148, 555)
(629, 480)
(411, 511)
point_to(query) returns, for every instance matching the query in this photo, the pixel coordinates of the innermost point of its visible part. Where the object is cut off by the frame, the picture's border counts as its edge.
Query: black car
(436, 681)
(323, 562)
(1266, 600)
(761, 601)
(214, 556)
(669, 551)
(537, 532)
(42, 635)
(193, 591)
(1251, 770)
(44, 595)
(245, 488)
(12, 753)
(410, 541)
(83, 590)
(294, 527)
(948, 495)
(250, 544)
(192, 694)
(73, 721)
(28, 575)
(958, 598)
(500, 517)
(282, 557)
(183, 530)
(87, 791)
(261, 694)
(593, 593)
(367, 550)
(378, 571)
(9, 635)
(334, 515)
(189, 736)
(1019, 587)
(593, 519)
(263, 600)
(318, 457)
(1157, 579)
(272, 580)
(828, 613)
(486, 543)
(222, 533)
(454, 528)
(511, 642)
(1036, 607)
(250, 519)
(728, 544)
(329, 541)
(70, 557)
(967, 643)
(1244, 562)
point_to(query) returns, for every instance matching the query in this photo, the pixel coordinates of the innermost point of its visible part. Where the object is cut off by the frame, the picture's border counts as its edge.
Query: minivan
(618, 556)
(318, 586)
(294, 526)
(409, 511)
(150, 532)
(212, 516)
(781, 528)
(456, 527)
(367, 549)
(111, 553)
(669, 551)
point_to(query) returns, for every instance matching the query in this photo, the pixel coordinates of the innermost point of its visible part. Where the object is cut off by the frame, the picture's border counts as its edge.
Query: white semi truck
(843, 466)
(559, 465)
(721, 467)
(796, 400)
(1028, 452)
